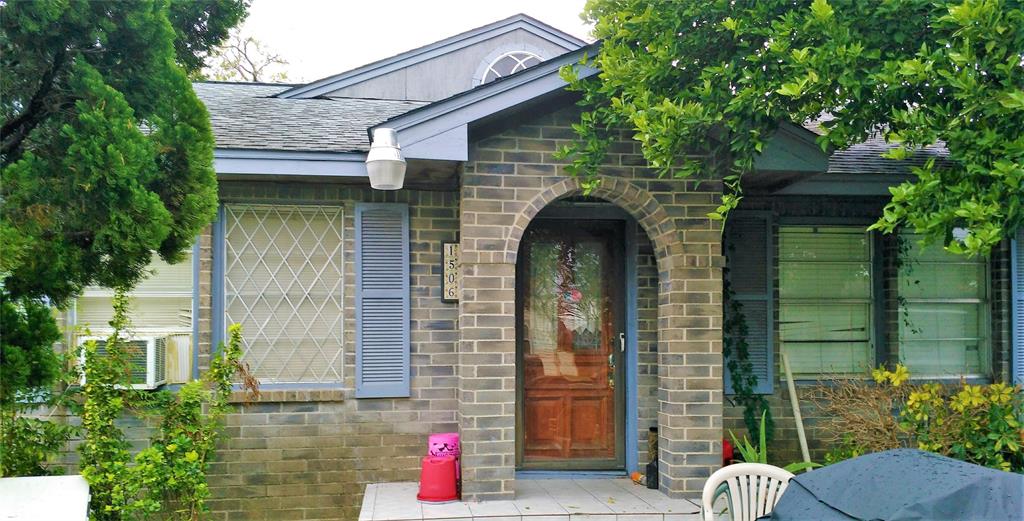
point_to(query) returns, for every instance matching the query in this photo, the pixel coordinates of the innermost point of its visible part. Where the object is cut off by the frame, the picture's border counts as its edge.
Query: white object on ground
(794, 401)
(753, 489)
(44, 498)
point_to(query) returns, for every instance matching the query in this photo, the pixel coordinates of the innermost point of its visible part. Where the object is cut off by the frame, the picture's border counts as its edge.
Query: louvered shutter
(1017, 275)
(748, 247)
(382, 300)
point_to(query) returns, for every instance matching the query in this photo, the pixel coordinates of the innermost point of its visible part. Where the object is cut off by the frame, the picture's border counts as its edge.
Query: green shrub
(979, 424)
(167, 479)
(976, 423)
(29, 370)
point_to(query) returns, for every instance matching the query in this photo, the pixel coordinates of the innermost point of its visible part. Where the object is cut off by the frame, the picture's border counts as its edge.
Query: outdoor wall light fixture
(384, 163)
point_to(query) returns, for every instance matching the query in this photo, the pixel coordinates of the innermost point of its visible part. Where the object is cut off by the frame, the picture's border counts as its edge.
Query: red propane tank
(437, 480)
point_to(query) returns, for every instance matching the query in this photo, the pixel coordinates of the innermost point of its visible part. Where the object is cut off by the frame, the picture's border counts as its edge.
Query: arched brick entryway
(689, 340)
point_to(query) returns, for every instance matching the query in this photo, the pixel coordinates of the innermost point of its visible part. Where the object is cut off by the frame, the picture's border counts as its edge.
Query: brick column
(487, 379)
(487, 346)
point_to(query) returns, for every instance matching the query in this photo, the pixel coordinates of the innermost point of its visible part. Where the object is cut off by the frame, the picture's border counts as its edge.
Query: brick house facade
(288, 252)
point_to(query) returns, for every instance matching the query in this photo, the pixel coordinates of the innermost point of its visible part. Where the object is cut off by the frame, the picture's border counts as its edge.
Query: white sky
(323, 37)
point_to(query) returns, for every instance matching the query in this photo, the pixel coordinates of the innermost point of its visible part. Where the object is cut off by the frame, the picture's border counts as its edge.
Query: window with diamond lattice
(283, 283)
(509, 63)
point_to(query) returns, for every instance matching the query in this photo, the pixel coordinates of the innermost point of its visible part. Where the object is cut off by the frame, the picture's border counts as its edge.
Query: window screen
(283, 283)
(825, 299)
(943, 311)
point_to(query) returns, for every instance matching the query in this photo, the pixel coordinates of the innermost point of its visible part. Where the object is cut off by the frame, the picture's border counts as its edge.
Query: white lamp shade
(384, 162)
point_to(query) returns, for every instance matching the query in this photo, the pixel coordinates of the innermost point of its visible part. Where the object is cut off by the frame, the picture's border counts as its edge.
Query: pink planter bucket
(447, 444)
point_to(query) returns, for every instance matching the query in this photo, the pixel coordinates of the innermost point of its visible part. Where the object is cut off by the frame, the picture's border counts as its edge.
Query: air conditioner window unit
(147, 356)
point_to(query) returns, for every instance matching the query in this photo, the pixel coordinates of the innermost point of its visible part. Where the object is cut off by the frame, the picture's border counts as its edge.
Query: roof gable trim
(287, 163)
(439, 118)
(421, 54)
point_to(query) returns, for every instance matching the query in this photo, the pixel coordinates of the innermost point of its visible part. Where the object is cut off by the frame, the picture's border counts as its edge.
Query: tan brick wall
(308, 454)
(508, 180)
(647, 344)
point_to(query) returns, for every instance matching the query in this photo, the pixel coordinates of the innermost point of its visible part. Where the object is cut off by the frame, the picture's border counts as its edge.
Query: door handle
(622, 342)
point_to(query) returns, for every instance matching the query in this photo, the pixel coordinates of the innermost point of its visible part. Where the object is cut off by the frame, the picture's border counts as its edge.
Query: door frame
(628, 362)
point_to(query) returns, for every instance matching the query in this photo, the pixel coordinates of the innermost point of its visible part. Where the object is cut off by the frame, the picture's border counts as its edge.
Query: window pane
(162, 301)
(283, 283)
(170, 314)
(943, 312)
(951, 281)
(509, 63)
(825, 299)
(938, 321)
(942, 358)
(832, 280)
(941, 339)
(823, 243)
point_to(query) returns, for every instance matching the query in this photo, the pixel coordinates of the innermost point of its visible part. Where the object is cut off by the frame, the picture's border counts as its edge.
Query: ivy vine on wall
(736, 352)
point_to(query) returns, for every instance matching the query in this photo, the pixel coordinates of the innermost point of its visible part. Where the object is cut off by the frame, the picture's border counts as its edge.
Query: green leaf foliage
(705, 84)
(167, 478)
(201, 26)
(106, 152)
(27, 360)
(29, 369)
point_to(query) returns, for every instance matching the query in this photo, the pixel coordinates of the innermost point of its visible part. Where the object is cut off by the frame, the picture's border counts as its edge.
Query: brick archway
(686, 453)
(639, 203)
(500, 196)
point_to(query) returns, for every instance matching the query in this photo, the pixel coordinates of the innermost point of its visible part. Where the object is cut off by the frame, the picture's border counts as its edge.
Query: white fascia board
(286, 163)
(410, 58)
(450, 145)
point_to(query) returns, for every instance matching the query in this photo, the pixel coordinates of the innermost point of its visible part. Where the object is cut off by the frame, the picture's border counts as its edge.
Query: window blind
(943, 311)
(825, 299)
(283, 283)
(161, 301)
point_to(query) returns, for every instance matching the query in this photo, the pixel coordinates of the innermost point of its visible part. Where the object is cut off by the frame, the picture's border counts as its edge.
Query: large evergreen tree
(106, 152)
(700, 79)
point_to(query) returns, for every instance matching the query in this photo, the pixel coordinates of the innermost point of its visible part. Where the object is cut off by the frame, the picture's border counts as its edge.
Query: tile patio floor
(536, 500)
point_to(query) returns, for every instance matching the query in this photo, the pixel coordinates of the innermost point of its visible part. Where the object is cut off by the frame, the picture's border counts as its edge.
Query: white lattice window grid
(509, 63)
(284, 283)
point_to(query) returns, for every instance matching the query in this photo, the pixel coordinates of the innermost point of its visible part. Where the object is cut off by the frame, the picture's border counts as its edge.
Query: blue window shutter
(382, 300)
(1017, 293)
(748, 246)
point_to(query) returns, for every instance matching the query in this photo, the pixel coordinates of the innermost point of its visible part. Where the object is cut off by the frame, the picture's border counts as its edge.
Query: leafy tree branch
(704, 85)
(106, 152)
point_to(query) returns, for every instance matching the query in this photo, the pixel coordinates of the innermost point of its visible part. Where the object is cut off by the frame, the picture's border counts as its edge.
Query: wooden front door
(569, 304)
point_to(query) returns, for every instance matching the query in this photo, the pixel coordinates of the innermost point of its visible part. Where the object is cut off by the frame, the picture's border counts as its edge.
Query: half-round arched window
(509, 63)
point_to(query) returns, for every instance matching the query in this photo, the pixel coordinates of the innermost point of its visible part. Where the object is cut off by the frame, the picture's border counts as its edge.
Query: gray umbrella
(903, 484)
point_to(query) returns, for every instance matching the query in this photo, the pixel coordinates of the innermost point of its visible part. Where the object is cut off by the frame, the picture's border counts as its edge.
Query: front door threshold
(570, 474)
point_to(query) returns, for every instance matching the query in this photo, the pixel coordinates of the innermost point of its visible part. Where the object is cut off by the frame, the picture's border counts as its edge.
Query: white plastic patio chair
(752, 490)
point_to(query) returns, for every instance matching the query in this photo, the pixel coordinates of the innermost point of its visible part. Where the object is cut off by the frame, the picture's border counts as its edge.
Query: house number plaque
(450, 272)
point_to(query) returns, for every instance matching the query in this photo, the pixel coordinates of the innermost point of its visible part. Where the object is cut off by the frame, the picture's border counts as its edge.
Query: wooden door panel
(569, 318)
(546, 435)
(589, 427)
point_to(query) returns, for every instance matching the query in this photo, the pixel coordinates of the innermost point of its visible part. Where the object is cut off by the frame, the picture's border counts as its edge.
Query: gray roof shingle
(243, 116)
(866, 157)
